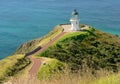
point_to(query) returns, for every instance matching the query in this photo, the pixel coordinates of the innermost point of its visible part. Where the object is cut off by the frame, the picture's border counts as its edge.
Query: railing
(34, 51)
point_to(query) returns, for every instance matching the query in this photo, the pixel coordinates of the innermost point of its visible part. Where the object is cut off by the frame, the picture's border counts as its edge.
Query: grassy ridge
(15, 63)
(11, 65)
(89, 49)
(32, 45)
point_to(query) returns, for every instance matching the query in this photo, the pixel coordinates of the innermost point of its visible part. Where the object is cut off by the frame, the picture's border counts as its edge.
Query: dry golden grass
(65, 79)
(69, 78)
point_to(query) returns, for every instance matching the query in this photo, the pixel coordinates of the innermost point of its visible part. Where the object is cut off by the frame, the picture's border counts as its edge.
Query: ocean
(24, 20)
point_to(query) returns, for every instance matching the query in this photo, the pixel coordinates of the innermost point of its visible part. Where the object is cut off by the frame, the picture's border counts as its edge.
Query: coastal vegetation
(89, 49)
(12, 65)
(103, 77)
(49, 68)
(17, 62)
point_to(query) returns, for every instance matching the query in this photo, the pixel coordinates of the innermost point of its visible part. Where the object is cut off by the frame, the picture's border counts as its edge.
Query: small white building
(75, 21)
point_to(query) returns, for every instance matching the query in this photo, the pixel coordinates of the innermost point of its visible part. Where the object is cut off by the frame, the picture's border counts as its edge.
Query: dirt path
(37, 61)
(36, 64)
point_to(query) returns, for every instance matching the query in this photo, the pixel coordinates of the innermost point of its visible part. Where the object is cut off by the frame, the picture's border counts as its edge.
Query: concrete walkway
(67, 28)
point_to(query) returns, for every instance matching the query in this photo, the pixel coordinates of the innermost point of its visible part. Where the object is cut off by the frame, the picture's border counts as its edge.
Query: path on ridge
(37, 61)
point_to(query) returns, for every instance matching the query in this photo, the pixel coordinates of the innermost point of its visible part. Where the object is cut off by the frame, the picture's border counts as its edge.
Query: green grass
(8, 62)
(11, 65)
(87, 49)
(74, 35)
(49, 68)
(50, 35)
(70, 36)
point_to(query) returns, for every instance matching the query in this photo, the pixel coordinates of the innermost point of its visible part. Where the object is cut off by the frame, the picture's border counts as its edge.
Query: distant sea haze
(24, 20)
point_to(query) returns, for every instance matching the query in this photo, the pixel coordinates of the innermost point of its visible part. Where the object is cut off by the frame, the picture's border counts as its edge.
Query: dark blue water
(24, 20)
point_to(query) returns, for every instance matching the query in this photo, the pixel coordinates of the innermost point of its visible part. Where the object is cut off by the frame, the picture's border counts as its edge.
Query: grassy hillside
(12, 65)
(68, 78)
(49, 68)
(89, 49)
(17, 62)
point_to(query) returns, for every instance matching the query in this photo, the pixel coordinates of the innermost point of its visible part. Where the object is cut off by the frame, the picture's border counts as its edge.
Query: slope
(89, 49)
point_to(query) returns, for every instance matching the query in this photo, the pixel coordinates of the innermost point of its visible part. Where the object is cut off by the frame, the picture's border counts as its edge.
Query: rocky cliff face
(37, 43)
(28, 47)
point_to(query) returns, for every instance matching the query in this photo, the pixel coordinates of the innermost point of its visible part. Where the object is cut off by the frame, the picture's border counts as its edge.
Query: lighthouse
(75, 21)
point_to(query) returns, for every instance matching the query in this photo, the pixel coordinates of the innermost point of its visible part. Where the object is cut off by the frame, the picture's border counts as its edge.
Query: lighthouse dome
(75, 12)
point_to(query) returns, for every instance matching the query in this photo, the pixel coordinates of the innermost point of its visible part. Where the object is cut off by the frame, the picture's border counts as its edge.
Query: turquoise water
(24, 20)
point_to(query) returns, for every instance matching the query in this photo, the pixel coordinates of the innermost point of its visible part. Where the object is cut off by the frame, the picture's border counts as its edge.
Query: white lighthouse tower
(75, 21)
